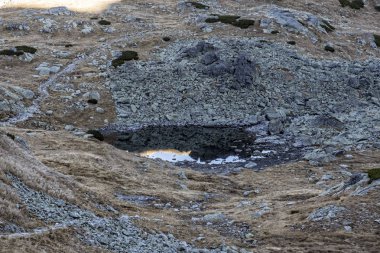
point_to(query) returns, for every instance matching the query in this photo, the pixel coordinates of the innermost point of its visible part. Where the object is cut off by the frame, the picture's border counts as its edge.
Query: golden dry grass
(74, 169)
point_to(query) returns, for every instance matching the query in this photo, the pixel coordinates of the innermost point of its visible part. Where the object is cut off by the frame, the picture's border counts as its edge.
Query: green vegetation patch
(231, 20)
(18, 50)
(11, 52)
(354, 4)
(104, 22)
(198, 5)
(377, 39)
(166, 39)
(357, 4)
(125, 56)
(329, 49)
(92, 101)
(374, 174)
(12, 136)
(26, 49)
(97, 134)
(327, 26)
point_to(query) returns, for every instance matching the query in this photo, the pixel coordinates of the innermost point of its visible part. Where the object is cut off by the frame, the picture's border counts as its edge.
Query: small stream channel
(206, 148)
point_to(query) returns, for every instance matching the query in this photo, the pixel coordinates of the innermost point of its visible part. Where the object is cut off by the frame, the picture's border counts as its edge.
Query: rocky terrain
(289, 89)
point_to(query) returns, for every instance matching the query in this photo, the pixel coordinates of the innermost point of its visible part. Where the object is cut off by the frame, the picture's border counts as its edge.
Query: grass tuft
(329, 49)
(374, 174)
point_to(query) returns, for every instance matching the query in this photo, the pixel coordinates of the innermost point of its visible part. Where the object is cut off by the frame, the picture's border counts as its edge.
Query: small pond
(204, 147)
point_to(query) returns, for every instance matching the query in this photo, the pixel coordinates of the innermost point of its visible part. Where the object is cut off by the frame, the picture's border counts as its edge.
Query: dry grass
(90, 172)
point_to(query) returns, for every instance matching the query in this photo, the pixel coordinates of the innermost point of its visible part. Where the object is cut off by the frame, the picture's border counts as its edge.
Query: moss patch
(11, 52)
(97, 135)
(19, 50)
(354, 4)
(357, 4)
(327, 26)
(329, 49)
(92, 101)
(377, 39)
(12, 136)
(104, 22)
(198, 5)
(26, 49)
(231, 20)
(125, 56)
(166, 38)
(374, 174)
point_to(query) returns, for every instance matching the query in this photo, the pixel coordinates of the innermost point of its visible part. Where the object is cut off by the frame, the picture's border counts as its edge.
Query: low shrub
(125, 56)
(329, 49)
(377, 39)
(26, 49)
(374, 174)
(104, 22)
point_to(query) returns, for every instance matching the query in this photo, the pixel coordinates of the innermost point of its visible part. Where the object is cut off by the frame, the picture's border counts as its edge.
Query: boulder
(326, 213)
(245, 70)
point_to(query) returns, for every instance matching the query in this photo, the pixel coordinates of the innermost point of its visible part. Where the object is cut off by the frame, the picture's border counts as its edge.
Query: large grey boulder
(326, 213)
(245, 70)
(13, 99)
